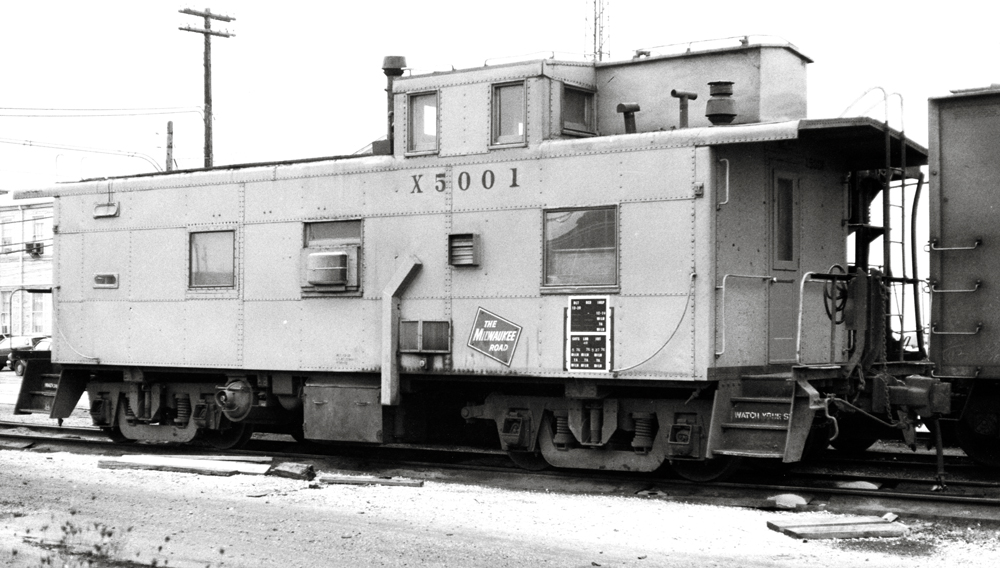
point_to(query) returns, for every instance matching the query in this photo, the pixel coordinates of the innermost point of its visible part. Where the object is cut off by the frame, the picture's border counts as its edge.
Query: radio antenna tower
(597, 26)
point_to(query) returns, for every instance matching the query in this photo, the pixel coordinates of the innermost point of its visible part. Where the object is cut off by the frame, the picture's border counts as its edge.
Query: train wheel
(718, 468)
(978, 431)
(531, 461)
(233, 437)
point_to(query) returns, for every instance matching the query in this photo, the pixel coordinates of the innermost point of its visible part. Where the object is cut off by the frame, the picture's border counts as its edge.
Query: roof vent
(684, 96)
(720, 109)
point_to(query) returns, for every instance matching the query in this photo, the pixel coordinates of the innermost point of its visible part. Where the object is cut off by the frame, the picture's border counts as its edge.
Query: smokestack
(392, 66)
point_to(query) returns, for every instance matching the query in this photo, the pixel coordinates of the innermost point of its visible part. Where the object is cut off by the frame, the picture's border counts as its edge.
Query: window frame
(332, 241)
(791, 227)
(572, 288)
(235, 267)
(411, 149)
(587, 128)
(497, 139)
(7, 234)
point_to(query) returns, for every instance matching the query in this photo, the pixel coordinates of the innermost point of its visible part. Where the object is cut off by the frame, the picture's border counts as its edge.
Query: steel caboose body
(564, 252)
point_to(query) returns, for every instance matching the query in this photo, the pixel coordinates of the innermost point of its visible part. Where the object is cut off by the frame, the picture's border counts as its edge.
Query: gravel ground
(176, 519)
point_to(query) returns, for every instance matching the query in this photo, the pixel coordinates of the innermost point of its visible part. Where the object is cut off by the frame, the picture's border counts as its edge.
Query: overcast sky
(303, 79)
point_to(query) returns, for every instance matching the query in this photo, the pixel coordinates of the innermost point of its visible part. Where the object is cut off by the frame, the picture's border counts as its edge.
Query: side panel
(266, 322)
(742, 255)
(758, 310)
(657, 260)
(465, 124)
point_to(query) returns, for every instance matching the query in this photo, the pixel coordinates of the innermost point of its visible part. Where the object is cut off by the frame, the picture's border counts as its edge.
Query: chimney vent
(392, 66)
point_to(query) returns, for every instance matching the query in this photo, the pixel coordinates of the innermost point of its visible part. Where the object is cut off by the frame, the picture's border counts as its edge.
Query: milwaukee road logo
(494, 336)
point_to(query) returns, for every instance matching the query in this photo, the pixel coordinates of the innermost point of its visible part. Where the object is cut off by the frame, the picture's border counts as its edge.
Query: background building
(26, 262)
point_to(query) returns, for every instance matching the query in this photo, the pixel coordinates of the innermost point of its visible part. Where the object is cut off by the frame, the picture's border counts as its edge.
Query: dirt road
(185, 520)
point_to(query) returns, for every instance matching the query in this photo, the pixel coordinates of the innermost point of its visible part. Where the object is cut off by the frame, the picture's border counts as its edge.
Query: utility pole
(170, 145)
(208, 33)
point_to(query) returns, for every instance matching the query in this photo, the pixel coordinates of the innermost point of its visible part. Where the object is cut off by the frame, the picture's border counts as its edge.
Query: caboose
(610, 265)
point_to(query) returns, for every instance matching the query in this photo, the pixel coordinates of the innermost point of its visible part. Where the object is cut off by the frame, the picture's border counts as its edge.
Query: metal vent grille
(463, 249)
(418, 336)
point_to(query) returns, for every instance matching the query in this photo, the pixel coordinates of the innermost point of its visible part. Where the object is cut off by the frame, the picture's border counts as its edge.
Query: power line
(139, 155)
(20, 222)
(102, 109)
(20, 112)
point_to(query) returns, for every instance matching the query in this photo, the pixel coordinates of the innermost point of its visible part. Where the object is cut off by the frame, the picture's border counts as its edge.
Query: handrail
(811, 277)
(933, 246)
(936, 291)
(934, 330)
(718, 206)
(976, 375)
(723, 302)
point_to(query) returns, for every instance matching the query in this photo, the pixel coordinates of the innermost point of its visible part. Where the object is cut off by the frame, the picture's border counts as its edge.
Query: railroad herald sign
(494, 336)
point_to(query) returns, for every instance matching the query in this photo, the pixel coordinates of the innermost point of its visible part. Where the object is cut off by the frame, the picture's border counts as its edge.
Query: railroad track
(897, 481)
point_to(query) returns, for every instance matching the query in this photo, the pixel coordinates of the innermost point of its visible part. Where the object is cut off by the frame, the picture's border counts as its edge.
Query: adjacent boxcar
(964, 132)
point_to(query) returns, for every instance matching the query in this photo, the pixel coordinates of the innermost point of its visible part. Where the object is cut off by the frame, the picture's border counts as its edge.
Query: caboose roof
(859, 141)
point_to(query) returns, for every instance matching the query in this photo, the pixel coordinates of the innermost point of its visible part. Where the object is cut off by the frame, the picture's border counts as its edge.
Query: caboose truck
(556, 248)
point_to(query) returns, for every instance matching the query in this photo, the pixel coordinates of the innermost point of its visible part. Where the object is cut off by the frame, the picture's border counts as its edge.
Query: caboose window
(785, 222)
(508, 113)
(581, 247)
(213, 259)
(578, 111)
(333, 233)
(423, 123)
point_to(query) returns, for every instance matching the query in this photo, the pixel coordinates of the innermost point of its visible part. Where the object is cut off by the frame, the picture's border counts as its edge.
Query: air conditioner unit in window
(328, 268)
(34, 249)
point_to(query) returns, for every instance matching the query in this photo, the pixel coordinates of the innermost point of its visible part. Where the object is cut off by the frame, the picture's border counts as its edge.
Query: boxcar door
(784, 243)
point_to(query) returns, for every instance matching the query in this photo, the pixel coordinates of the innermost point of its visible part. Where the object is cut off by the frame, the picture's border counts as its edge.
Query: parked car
(17, 347)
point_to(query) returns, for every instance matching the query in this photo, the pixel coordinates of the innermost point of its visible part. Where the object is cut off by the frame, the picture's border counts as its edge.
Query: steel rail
(575, 475)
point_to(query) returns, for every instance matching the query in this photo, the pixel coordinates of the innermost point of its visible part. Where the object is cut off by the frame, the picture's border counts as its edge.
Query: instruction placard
(588, 345)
